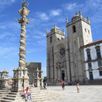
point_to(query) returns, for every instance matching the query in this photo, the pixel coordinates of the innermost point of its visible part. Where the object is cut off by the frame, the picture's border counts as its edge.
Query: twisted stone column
(22, 49)
(22, 71)
(23, 21)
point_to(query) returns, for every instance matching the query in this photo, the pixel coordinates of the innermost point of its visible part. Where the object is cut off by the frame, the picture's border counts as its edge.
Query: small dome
(55, 28)
(77, 16)
(4, 71)
(25, 3)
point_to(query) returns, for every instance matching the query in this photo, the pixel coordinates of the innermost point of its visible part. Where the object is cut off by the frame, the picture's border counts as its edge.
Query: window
(88, 31)
(51, 39)
(89, 65)
(88, 54)
(100, 72)
(58, 38)
(85, 29)
(74, 29)
(98, 52)
(99, 63)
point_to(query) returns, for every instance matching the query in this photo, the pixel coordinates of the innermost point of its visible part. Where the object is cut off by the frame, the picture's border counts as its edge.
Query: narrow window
(85, 29)
(58, 39)
(88, 54)
(90, 67)
(98, 52)
(99, 63)
(88, 31)
(74, 29)
(100, 72)
(51, 39)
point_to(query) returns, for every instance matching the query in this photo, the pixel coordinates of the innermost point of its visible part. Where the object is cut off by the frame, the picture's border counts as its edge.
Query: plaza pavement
(56, 94)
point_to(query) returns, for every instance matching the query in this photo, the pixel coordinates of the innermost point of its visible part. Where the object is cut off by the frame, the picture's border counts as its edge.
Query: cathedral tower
(79, 34)
(53, 39)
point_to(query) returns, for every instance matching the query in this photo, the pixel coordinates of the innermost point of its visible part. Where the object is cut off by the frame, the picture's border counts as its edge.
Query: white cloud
(56, 12)
(9, 24)
(95, 3)
(9, 35)
(94, 10)
(4, 35)
(43, 16)
(70, 6)
(96, 19)
(92, 6)
(6, 2)
(7, 51)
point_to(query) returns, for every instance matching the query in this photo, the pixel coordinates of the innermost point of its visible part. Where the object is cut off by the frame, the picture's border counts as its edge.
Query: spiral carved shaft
(22, 62)
(22, 50)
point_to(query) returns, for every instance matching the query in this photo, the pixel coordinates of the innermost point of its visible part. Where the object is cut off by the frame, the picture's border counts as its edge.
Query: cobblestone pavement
(56, 94)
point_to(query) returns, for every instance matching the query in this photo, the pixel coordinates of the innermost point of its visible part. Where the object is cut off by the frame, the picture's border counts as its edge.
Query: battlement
(77, 17)
(55, 30)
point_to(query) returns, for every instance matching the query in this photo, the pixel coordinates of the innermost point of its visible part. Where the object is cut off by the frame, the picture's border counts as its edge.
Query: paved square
(56, 94)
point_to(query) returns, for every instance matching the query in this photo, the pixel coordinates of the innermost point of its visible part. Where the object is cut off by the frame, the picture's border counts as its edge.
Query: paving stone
(56, 94)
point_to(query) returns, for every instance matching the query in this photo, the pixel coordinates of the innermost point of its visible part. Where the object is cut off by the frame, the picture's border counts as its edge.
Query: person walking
(27, 94)
(44, 83)
(77, 86)
(63, 84)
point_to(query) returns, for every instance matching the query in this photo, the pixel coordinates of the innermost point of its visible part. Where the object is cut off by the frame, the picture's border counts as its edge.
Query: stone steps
(2, 100)
(9, 97)
(43, 95)
(3, 93)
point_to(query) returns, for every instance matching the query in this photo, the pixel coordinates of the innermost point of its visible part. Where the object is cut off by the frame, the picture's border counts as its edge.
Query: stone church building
(67, 56)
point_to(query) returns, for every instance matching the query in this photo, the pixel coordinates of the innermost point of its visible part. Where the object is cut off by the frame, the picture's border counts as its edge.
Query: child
(77, 86)
(27, 94)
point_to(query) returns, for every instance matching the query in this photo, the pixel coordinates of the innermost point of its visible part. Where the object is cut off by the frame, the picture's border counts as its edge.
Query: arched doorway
(62, 75)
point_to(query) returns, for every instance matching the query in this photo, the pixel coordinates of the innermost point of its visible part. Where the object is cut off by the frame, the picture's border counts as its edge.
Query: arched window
(74, 28)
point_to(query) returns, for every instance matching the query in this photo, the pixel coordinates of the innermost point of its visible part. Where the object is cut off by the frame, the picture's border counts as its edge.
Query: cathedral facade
(66, 55)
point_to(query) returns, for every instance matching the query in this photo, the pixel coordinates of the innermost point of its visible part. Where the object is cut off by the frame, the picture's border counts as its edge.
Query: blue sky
(43, 15)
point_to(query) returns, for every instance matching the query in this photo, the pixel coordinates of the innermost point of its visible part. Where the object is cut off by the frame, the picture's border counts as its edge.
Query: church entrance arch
(62, 75)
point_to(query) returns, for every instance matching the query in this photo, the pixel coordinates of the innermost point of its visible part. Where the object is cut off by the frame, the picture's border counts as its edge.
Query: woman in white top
(27, 94)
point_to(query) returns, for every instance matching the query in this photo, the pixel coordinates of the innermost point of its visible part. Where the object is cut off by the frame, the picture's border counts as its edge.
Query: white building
(93, 60)
(65, 55)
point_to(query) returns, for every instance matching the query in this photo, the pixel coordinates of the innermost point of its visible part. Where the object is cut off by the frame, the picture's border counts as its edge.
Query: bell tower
(53, 38)
(79, 34)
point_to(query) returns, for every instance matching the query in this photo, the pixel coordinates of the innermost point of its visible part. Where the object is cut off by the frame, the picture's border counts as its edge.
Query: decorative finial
(67, 20)
(24, 3)
(46, 31)
(76, 13)
(54, 26)
(79, 13)
(87, 18)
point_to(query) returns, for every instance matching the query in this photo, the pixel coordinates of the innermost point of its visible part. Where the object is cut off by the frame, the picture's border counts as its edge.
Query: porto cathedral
(75, 57)
(71, 58)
